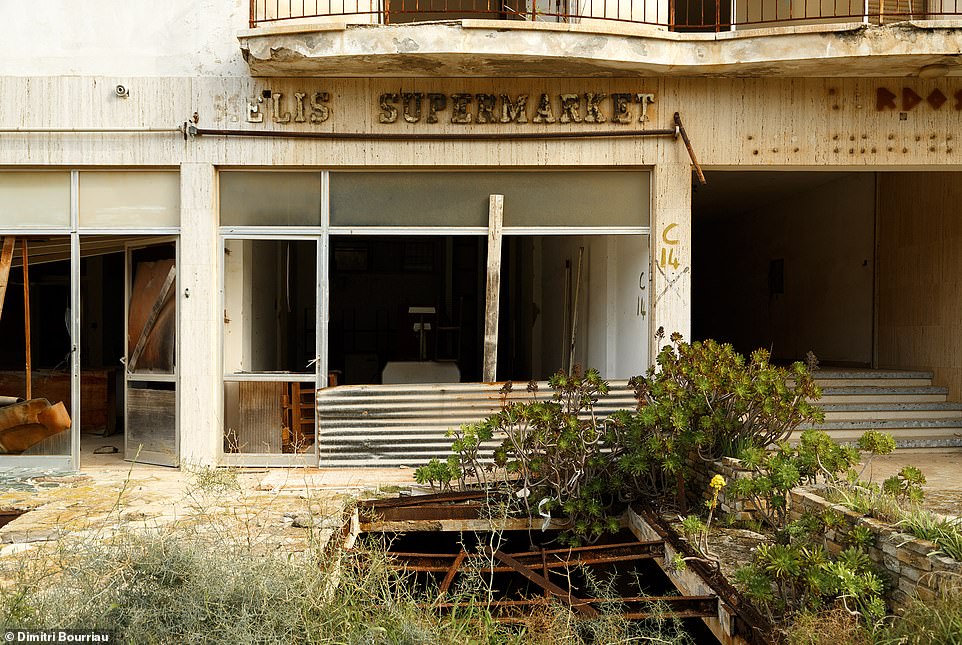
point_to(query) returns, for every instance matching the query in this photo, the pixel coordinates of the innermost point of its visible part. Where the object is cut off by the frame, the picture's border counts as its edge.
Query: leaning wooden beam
(152, 319)
(574, 312)
(492, 292)
(6, 261)
(579, 605)
(28, 360)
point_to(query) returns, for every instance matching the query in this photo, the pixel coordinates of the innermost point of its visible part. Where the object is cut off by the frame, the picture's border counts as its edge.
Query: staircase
(902, 403)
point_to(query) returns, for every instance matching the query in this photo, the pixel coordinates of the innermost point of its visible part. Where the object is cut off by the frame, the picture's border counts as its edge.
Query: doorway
(786, 261)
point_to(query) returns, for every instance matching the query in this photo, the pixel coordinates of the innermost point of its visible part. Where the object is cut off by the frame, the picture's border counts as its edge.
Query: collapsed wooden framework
(25, 422)
(540, 576)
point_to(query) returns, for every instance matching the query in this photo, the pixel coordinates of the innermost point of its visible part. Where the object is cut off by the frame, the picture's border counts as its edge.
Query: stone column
(201, 396)
(671, 251)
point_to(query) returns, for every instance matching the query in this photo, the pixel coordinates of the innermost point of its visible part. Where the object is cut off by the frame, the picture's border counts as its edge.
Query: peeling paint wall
(123, 39)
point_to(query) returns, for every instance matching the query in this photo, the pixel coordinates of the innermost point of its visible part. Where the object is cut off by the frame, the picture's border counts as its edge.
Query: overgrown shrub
(797, 574)
(559, 453)
(701, 400)
(704, 400)
(707, 398)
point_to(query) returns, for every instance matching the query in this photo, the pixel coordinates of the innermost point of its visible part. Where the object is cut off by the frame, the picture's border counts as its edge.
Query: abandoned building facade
(270, 232)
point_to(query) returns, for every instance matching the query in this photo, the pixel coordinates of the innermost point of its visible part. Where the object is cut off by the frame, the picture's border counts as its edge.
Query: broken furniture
(28, 424)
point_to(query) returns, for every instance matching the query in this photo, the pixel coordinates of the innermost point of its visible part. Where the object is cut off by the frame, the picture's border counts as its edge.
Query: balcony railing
(672, 15)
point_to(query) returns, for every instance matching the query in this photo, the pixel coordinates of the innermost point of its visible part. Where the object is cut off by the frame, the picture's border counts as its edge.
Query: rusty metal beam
(629, 548)
(699, 604)
(661, 606)
(576, 603)
(431, 564)
(431, 136)
(452, 571)
(691, 151)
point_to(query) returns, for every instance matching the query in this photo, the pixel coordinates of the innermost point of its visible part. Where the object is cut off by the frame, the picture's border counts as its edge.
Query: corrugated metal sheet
(385, 425)
(261, 417)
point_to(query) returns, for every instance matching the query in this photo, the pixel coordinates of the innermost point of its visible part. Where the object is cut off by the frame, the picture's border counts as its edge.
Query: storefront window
(270, 199)
(34, 199)
(532, 199)
(129, 199)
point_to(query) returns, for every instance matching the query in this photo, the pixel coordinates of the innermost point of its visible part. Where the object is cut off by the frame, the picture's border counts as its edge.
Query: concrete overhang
(487, 48)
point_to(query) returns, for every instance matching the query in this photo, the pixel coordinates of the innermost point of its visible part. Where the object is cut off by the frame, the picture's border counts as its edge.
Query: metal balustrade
(670, 15)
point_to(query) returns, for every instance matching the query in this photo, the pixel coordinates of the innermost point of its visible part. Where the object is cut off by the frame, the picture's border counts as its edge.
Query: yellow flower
(717, 482)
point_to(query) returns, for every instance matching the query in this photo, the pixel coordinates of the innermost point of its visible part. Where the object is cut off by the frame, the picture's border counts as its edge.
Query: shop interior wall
(920, 274)
(592, 329)
(824, 235)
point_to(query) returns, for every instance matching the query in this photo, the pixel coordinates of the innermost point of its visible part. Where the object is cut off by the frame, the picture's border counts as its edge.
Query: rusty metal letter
(412, 106)
(621, 108)
(299, 107)
(388, 112)
(516, 110)
(645, 100)
(884, 99)
(570, 108)
(459, 108)
(486, 108)
(276, 112)
(544, 112)
(254, 115)
(436, 103)
(319, 111)
(593, 113)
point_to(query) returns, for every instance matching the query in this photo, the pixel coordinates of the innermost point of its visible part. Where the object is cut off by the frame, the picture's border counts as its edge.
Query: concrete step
(882, 394)
(878, 378)
(830, 373)
(891, 411)
(905, 437)
(873, 382)
(889, 425)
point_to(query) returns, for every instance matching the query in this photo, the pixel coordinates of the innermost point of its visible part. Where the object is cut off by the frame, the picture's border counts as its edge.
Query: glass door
(150, 381)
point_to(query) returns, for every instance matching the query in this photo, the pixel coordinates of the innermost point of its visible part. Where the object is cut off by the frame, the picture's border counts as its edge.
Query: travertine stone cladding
(913, 567)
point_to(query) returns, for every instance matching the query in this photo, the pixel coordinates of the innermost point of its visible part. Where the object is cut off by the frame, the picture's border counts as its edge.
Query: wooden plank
(6, 260)
(28, 360)
(452, 571)
(579, 605)
(152, 318)
(493, 288)
(418, 500)
(574, 311)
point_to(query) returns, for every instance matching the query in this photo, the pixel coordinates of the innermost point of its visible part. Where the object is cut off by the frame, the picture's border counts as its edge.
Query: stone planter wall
(698, 491)
(903, 559)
